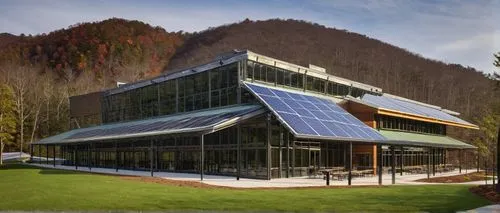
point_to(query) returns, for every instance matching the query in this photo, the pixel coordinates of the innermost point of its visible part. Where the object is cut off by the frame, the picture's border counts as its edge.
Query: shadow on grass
(15, 165)
(44, 171)
(48, 171)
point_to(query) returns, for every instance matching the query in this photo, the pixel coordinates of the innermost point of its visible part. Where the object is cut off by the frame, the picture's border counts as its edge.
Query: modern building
(248, 115)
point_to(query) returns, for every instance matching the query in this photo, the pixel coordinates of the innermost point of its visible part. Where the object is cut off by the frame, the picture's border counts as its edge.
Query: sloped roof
(199, 122)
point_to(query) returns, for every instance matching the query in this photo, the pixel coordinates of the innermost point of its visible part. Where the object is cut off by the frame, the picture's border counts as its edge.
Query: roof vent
(119, 84)
(317, 68)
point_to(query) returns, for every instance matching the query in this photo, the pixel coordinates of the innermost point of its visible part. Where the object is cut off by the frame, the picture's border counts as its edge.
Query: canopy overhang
(194, 123)
(423, 140)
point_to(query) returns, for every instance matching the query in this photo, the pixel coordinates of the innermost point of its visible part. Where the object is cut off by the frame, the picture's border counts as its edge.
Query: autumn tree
(7, 118)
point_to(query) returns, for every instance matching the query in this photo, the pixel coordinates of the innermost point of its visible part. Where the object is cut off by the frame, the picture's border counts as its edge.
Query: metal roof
(235, 56)
(411, 107)
(199, 122)
(427, 140)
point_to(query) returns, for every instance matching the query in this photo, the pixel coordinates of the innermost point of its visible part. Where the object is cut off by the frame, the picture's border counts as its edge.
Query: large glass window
(168, 98)
(388, 122)
(149, 101)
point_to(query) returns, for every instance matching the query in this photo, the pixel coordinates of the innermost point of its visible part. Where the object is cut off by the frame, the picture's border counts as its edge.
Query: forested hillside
(44, 70)
(108, 49)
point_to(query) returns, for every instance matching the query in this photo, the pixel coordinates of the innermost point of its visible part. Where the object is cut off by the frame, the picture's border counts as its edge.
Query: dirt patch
(486, 191)
(476, 176)
(170, 182)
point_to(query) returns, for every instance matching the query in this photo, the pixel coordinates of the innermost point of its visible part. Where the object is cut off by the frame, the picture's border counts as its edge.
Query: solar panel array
(310, 115)
(413, 108)
(189, 122)
(185, 122)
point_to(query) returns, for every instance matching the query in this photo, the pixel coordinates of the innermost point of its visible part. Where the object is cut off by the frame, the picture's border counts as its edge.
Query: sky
(453, 31)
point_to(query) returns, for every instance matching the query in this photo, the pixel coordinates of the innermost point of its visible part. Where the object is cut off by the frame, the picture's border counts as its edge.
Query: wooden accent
(357, 109)
(367, 149)
(367, 115)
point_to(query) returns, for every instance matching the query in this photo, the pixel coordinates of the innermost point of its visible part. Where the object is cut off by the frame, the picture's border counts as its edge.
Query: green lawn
(27, 188)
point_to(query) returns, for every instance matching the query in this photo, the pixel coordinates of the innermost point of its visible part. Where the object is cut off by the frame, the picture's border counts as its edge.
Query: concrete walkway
(485, 209)
(280, 182)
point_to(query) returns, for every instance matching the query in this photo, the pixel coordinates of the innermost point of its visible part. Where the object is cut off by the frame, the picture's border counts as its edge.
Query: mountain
(104, 48)
(349, 55)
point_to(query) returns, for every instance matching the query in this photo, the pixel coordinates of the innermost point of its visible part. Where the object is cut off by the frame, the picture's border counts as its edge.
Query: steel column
(116, 157)
(31, 153)
(379, 164)
(54, 152)
(268, 158)
(202, 155)
(477, 157)
(133, 156)
(39, 154)
(287, 155)
(429, 163)
(460, 161)
(76, 156)
(349, 177)
(280, 153)
(150, 158)
(465, 159)
(89, 156)
(433, 162)
(46, 154)
(393, 164)
(401, 165)
(238, 153)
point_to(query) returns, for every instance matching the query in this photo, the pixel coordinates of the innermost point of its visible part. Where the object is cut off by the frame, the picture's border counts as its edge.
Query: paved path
(485, 209)
(280, 182)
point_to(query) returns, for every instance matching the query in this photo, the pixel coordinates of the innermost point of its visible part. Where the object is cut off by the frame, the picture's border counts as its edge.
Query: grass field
(29, 188)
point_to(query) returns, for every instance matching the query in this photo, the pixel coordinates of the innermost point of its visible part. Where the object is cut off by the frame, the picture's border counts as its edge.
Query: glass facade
(408, 125)
(213, 88)
(285, 78)
(412, 157)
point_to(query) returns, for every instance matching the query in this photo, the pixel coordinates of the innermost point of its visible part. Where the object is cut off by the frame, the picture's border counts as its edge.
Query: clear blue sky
(463, 32)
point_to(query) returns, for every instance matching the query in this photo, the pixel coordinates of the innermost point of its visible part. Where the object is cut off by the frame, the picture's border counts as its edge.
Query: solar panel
(174, 122)
(308, 115)
(409, 107)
